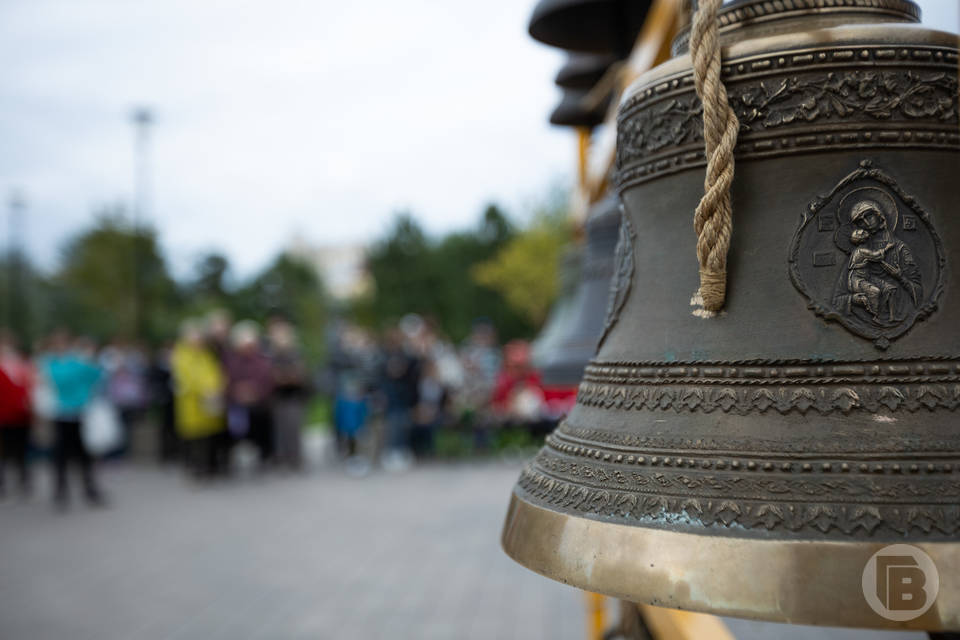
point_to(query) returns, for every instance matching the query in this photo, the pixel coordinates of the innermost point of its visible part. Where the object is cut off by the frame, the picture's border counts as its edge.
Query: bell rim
(815, 582)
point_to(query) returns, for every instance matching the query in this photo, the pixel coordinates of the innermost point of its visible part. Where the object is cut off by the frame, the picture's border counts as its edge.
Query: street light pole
(142, 118)
(16, 301)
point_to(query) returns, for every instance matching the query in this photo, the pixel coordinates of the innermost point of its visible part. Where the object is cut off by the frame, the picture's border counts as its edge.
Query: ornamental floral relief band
(799, 102)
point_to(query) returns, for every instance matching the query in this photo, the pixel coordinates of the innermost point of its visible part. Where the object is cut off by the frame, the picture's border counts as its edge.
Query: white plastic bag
(100, 427)
(43, 399)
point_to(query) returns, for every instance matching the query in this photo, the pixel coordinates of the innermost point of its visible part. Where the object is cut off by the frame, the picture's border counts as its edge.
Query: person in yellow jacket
(198, 383)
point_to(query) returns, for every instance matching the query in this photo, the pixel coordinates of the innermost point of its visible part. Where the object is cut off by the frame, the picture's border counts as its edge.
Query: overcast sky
(280, 118)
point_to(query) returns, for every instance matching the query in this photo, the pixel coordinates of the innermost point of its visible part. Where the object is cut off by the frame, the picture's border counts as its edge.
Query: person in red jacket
(518, 392)
(16, 382)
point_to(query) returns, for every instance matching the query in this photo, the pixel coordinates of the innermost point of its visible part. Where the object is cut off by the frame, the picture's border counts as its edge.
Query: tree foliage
(291, 289)
(22, 297)
(524, 271)
(114, 282)
(414, 274)
(209, 283)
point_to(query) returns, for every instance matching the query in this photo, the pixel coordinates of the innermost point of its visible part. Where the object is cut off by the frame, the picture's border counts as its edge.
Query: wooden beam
(674, 624)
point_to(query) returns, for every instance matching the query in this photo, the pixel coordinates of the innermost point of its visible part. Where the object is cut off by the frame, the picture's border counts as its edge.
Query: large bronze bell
(564, 362)
(753, 463)
(600, 26)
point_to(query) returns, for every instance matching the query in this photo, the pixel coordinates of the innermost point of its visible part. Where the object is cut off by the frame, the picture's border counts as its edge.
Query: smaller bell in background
(563, 365)
(569, 338)
(575, 110)
(578, 77)
(600, 26)
(584, 70)
(564, 312)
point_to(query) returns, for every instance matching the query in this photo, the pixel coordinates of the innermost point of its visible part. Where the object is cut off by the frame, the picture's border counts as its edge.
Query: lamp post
(17, 311)
(142, 119)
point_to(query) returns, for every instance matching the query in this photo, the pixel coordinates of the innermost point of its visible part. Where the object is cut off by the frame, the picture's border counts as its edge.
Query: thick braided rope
(714, 216)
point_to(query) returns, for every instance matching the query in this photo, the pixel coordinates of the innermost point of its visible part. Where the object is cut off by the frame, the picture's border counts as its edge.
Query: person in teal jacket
(75, 378)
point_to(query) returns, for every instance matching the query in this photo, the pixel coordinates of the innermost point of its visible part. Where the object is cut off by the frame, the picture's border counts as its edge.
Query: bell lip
(886, 34)
(802, 582)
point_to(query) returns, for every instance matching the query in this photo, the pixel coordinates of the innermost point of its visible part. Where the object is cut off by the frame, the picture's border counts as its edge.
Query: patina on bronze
(751, 463)
(599, 26)
(564, 363)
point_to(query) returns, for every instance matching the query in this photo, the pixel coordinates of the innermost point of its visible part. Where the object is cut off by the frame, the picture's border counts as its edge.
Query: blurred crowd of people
(234, 385)
(224, 387)
(218, 385)
(56, 386)
(415, 383)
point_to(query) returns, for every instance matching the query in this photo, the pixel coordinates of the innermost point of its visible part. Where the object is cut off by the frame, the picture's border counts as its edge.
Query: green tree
(414, 274)
(207, 286)
(403, 277)
(289, 288)
(524, 271)
(114, 281)
(210, 277)
(21, 297)
(463, 299)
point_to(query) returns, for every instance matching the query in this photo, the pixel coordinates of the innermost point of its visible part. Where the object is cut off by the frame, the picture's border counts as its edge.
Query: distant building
(342, 267)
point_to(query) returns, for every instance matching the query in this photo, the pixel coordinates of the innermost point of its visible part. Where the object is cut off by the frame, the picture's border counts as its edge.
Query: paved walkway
(411, 555)
(403, 556)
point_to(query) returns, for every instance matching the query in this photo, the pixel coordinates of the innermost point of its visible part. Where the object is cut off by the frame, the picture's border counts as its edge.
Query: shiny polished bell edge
(752, 464)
